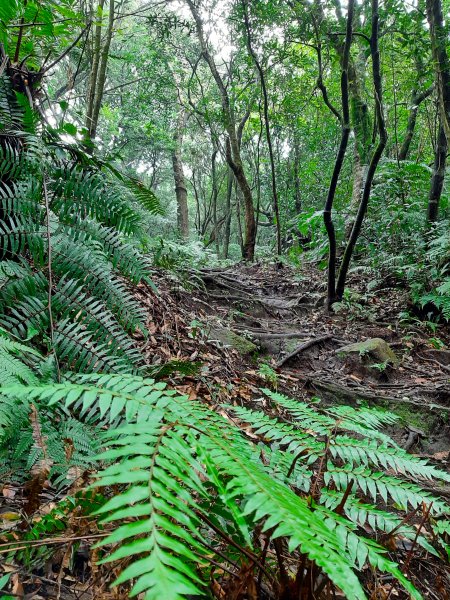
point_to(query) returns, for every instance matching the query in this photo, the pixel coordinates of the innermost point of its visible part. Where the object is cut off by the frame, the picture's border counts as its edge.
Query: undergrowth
(311, 496)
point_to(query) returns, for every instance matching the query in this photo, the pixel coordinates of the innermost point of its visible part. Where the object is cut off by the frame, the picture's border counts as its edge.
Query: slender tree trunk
(378, 90)
(233, 153)
(345, 121)
(262, 79)
(178, 173)
(438, 176)
(101, 79)
(215, 194)
(95, 63)
(197, 204)
(227, 227)
(441, 59)
(416, 100)
(296, 169)
(238, 217)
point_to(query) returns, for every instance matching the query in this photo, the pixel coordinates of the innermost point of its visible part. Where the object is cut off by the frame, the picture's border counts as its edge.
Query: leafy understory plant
(294, 501)
(71, 243)
(268, 374)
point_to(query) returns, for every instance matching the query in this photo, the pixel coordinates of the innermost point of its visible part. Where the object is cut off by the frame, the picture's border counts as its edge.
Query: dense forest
(224, 299)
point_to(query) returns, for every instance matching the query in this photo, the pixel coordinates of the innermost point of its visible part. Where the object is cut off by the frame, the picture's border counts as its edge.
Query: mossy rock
(376, 349)
(233, 340)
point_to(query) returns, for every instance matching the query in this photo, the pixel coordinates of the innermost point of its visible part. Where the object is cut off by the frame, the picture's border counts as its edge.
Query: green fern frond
(28, 315)
(94, 272)
(18, 235)
(364, 515)
(79, 193)
(71, 301)
(294, 440)
(20, 284)
(144, 195)
(356, 452)
(361, 550)
(79, 349)
(365, 421)
(175, 452)
(377, 484)
(123, 256)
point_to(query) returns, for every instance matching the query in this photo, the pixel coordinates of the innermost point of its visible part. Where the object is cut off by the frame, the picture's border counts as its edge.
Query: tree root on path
(304, 346)
(353, 395)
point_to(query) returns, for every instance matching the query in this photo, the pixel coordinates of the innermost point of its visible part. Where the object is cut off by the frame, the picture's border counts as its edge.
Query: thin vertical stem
(50, 273)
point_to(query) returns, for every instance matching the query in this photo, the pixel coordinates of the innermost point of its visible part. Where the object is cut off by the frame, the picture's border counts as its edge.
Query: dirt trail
(282, 313)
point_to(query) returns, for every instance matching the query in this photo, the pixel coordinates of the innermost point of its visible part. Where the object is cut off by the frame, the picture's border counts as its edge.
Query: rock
(377, 349)
(229, 338)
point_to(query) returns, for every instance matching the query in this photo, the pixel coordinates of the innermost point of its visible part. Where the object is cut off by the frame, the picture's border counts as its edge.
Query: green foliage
(52, 523)
(188, 478)
(30, 431)
(56, 199)
(18, 362)
(268, 374)
(440, 298)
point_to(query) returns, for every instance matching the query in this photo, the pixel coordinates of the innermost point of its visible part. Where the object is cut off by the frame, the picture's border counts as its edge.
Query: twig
(68, 49)
(340, 509)
(408, 558)
(10, 546)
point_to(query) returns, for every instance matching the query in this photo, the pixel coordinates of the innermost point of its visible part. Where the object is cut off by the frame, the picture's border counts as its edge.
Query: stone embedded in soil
(229, 338)
(376, 349)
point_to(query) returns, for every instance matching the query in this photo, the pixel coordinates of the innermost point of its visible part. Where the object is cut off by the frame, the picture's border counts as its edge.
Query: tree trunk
(227, 228)
(441, 59)
(238, 217)
(296, 169)
(345, 122)
(215, 194)
(178, 174)
(359, 179)
(262, 79)
(416, 100)
(378, 92)
(98, 71)
(233, 153)
(95, 57)
(438, 176)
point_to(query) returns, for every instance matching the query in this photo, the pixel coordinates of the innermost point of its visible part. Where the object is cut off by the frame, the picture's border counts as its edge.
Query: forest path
(281, 311)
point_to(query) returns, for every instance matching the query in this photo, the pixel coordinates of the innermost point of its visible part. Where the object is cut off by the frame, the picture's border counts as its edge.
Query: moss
(424, 420)
(377, 348)
(229, 338)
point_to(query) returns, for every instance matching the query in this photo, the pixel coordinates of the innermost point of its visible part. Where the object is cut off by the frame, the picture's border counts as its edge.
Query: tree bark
(296, 169)
(438, 176)
(95, 63)
(227, 227)
(100, 86)
(178, 174)
(345, 133)
(98, 71)
(233, 153)
(416, 100)
(215, 194)
(378, 91)
(262, 80)
(441, 59)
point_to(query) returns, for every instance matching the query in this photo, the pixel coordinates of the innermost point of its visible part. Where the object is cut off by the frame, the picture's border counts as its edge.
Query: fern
(440, 297)
(95, 233)
(179, 468)
(18, 363)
